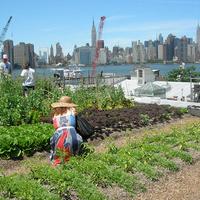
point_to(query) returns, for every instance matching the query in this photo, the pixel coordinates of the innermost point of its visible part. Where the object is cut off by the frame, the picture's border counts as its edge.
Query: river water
(116, 69)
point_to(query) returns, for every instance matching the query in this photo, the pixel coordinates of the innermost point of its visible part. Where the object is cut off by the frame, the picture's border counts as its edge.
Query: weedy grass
(24, 188)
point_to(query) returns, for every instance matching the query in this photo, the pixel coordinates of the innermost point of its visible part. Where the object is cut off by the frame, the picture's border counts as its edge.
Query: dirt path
(183, 185)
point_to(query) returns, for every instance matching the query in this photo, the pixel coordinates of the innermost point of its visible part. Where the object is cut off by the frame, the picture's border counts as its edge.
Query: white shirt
(28, 74)
(5, 67)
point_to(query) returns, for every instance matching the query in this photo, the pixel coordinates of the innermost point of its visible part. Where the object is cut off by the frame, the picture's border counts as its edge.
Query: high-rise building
(191, 52)
(102, 56)
(9, 50)
(139, 54)
(198, 35)
(165, 50)
(115, 51)
(183, 50)
(93, 35)
(31, 54)
(180, 50)
(170, 47)
(51, 56)
(198, 42)
(100, 44)
(160, 52)
(160, 38)
(59, 54)
(135, 52)
(84, 55)
(24, 53)
(151, 51)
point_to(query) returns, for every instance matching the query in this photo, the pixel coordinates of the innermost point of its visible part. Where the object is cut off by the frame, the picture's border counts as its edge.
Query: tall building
(180, 50)
(139, 54)
(102, 56)
(31, 55)
(170, 47)
(160, 52)
(135, 51)
(191, 52)
(100, 44)
(115, 51)
(160, 38)
(9, 50)
(198, 35)
(151, 51)
(24, 53)
(59, 53)
(183, 49)
(84, 55)
(51, 56)
(198, 42)
(93, 36)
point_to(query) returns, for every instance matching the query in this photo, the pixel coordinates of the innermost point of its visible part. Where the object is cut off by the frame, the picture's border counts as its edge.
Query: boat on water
(68, 73)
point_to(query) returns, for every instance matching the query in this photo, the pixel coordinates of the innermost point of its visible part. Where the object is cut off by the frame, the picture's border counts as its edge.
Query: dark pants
(26, 89)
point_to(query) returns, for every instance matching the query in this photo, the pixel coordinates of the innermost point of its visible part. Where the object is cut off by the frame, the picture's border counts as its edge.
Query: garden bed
(17, 141)
(90, 176)
(108, 121)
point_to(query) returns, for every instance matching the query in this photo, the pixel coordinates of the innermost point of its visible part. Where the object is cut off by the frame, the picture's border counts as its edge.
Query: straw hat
(63, 102)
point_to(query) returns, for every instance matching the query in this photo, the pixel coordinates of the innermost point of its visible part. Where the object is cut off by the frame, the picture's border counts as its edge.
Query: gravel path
(184, 185)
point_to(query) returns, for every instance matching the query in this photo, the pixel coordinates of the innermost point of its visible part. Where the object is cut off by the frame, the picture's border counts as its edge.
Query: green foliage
(16, 109)
(25, 189)
(145, 119)
(24, 140)
(84, 175)
(183, 75)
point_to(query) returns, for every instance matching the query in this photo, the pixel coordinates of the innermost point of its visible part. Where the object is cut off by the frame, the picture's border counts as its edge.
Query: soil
(182, 185)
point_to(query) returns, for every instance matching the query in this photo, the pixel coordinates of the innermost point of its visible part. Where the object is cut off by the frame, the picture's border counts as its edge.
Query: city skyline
(69, 23)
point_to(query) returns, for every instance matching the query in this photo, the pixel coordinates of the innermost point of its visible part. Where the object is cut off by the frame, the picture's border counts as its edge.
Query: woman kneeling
(66, 141)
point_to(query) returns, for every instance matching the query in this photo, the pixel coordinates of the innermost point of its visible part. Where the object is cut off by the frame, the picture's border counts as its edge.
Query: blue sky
(45, 22)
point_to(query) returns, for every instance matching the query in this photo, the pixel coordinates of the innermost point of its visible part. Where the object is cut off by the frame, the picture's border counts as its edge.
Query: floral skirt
(64, 143)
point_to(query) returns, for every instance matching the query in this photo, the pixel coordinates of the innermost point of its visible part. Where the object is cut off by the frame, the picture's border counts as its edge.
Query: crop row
(23, 140)
(84, 177)
(16, 141)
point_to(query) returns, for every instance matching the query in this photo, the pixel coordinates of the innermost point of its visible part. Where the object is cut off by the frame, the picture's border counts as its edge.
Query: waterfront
(116, 69)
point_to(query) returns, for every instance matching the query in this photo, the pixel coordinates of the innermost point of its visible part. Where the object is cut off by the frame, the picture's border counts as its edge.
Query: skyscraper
(160, 38)
(24, 53)
(31, 54)
(198, 42)
(94, 35)
(59, 54)
(170, 47)
(198, 35)
(51, 56)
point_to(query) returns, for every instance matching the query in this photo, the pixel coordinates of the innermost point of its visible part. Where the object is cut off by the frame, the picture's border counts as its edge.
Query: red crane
(100, 30)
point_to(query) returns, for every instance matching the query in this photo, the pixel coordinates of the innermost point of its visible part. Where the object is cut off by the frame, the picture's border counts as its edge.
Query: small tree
(183, 75)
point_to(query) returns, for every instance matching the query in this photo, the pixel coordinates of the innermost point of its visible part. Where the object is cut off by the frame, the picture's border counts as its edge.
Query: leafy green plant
(24, 140)
(145, 119)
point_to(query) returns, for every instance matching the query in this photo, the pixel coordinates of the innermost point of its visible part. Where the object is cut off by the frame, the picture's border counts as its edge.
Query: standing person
(29, 82)
(5, 66)
(66, 141)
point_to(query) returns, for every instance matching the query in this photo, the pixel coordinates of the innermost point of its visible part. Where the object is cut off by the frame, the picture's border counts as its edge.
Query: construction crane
(3, 33)
(100, 30)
